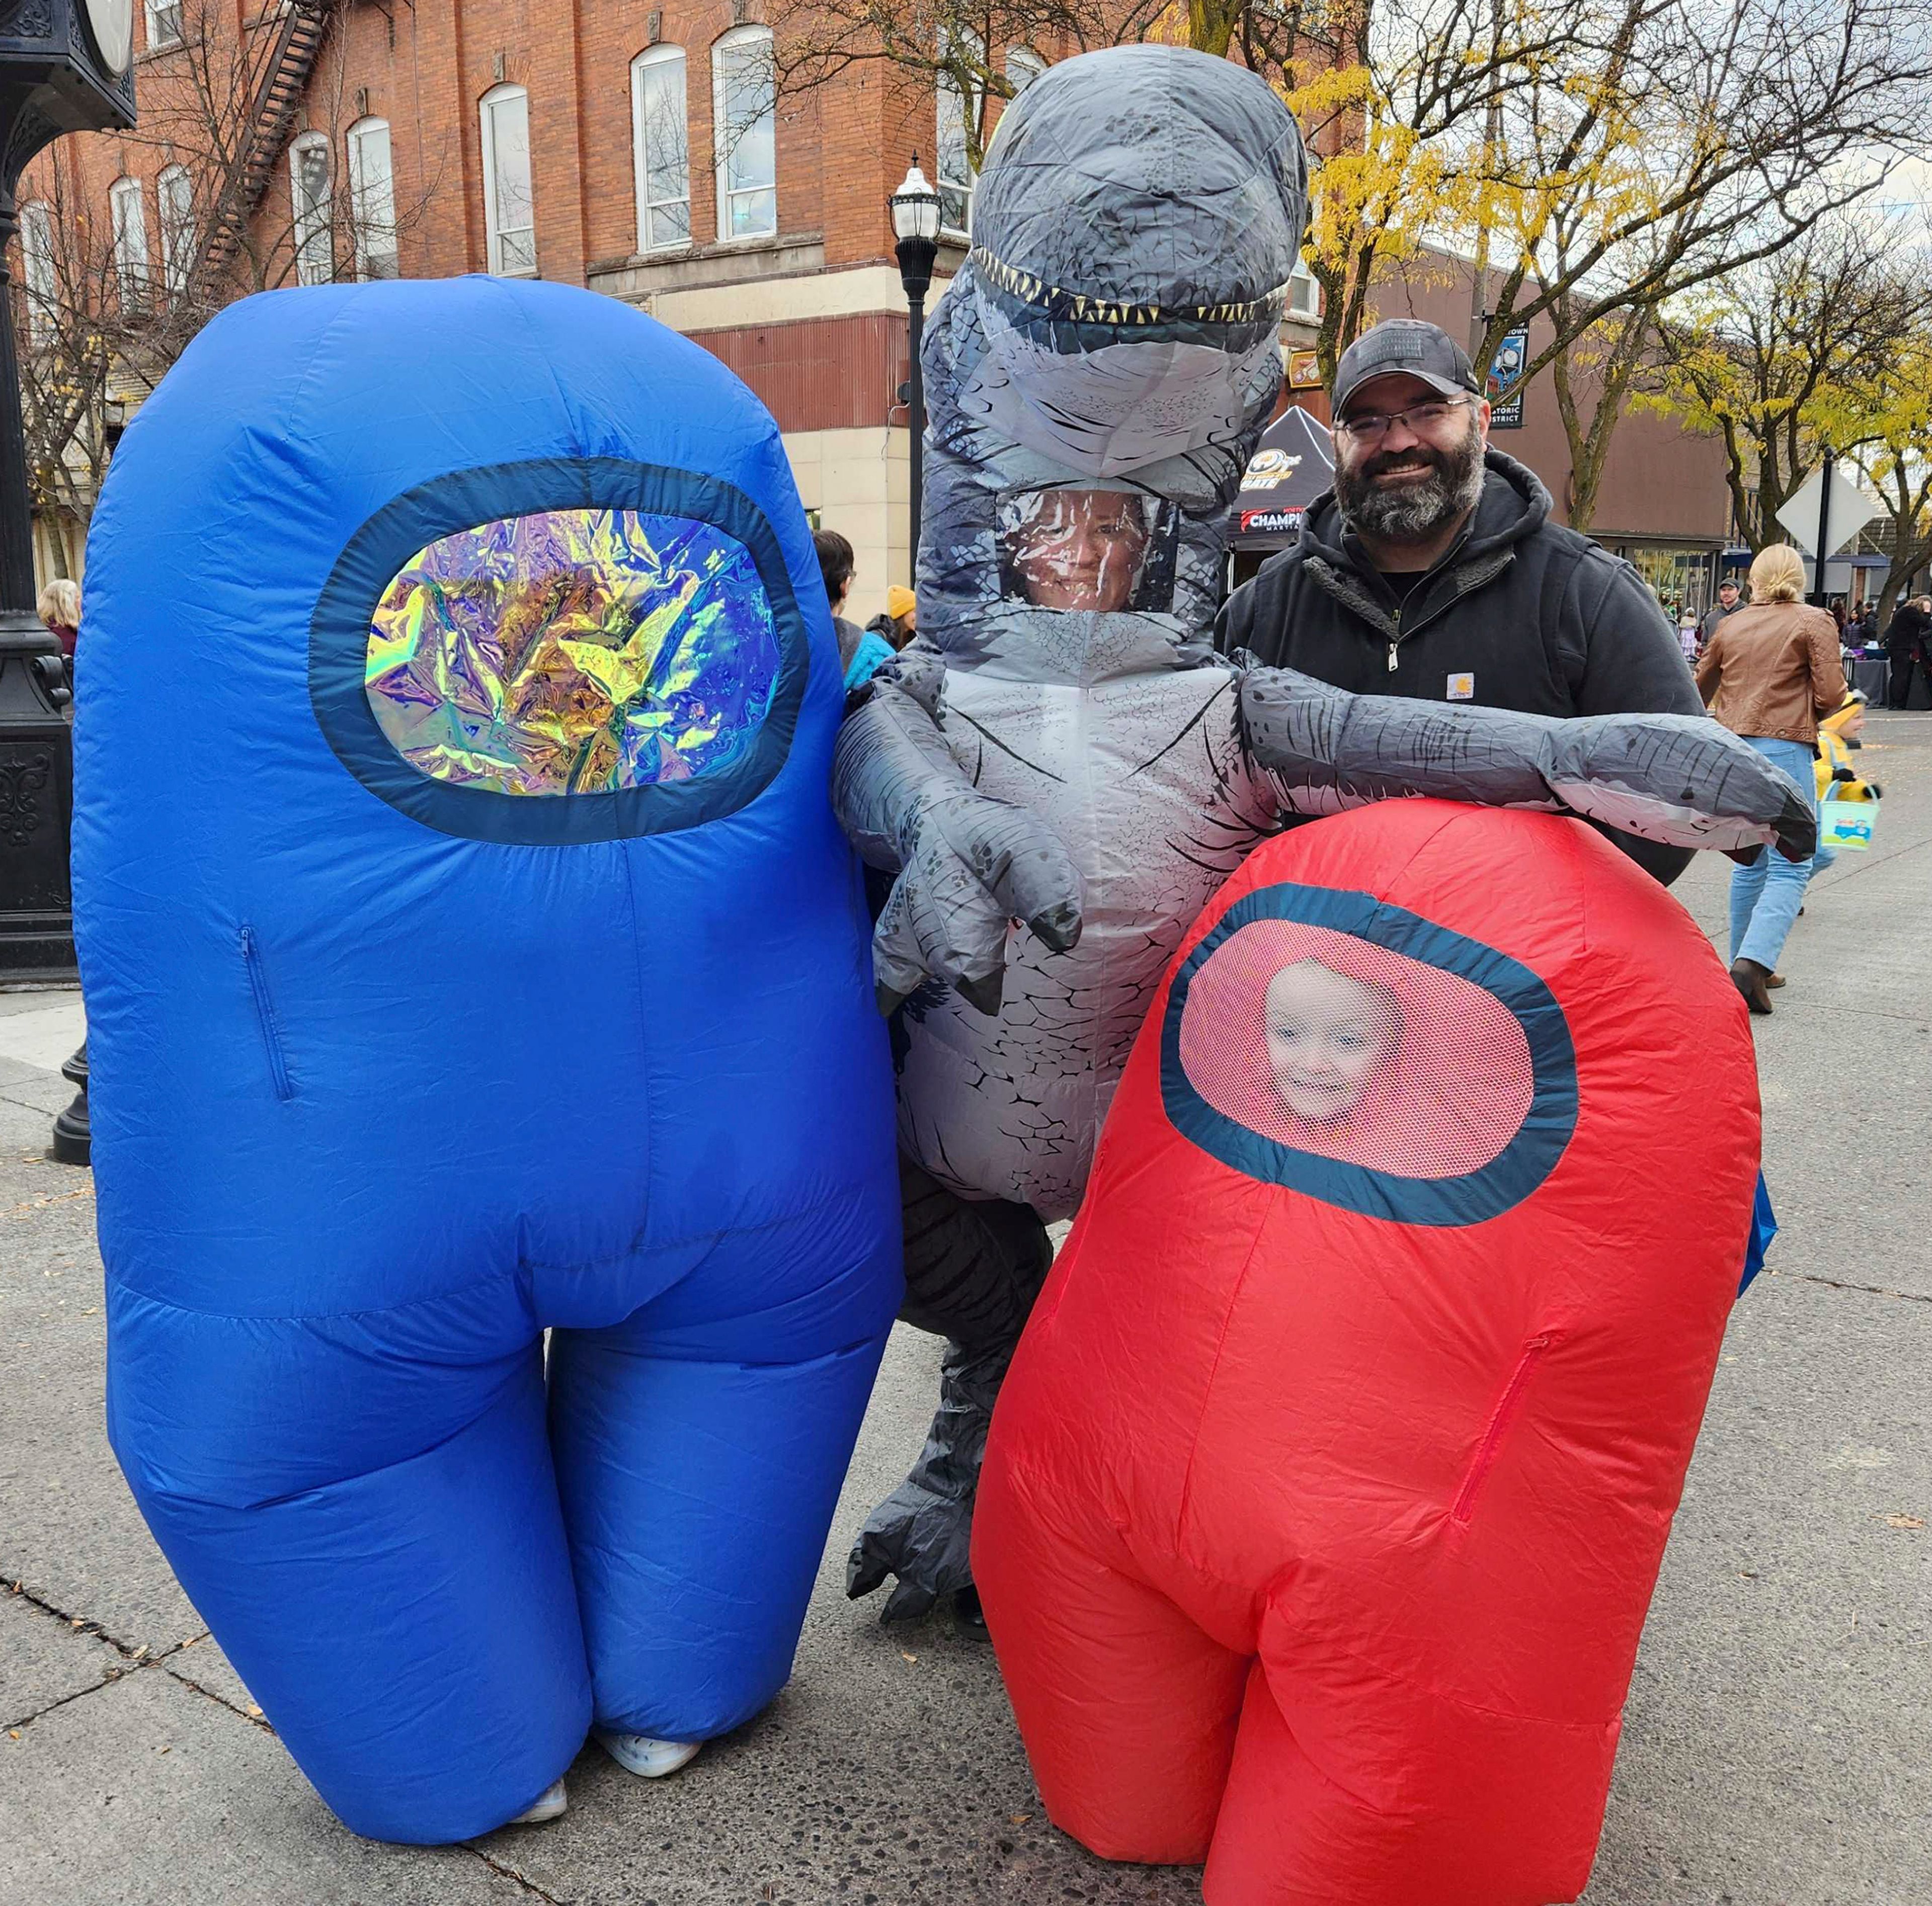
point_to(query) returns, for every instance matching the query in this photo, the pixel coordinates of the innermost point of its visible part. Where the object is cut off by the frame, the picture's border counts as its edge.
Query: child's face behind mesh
(1326, 1034)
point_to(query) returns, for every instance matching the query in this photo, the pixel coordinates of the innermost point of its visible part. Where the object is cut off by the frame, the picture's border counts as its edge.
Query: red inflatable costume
(1325, 1498)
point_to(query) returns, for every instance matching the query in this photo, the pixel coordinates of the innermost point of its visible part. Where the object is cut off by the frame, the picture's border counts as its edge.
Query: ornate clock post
(65, 67)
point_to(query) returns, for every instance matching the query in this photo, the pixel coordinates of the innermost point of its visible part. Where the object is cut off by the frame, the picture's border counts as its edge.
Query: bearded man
(1433, 570)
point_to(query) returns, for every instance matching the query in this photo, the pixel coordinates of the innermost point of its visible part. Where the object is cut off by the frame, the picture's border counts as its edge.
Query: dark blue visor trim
(339, 642)
(1508, 1178)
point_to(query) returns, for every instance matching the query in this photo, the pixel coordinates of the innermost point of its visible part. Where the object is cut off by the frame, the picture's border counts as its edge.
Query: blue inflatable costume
(470, 952)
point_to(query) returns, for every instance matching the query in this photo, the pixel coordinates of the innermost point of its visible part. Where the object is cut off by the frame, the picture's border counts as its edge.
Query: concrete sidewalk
(1778, 1749)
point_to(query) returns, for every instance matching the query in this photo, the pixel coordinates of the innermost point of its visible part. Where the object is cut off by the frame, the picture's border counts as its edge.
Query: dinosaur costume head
(1099, 372)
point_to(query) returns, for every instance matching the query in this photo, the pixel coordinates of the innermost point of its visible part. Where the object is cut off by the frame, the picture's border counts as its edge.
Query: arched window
(131, 241)
(744, 93)
(38, 278)
(175, 191)
(509, 204)
(661, 148)
(1024, 66)
(311, 189)
(372, 200)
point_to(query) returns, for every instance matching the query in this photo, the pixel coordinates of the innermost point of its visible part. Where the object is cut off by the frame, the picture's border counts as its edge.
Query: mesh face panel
(1337, 1047)
(573, 651)
(1105, 550)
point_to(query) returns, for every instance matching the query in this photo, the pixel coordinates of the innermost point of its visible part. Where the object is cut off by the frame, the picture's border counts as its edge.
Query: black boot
(1749, 977)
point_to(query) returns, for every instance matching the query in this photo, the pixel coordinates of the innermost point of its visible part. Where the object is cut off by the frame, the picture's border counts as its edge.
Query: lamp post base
(36, 798)
(73, 1130)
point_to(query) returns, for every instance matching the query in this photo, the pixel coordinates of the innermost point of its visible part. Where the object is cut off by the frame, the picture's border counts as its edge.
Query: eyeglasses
(1371, 426)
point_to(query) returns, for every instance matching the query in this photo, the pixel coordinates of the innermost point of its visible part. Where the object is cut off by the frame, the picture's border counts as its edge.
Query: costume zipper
(1500, 1419)
(265, 1015)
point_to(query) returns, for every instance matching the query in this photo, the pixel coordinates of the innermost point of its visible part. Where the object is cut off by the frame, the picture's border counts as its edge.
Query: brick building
(638, 149)
(583, 144)
(641, 149)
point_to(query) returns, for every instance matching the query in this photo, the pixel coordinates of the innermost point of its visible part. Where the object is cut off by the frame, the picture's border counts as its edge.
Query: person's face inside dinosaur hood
(1083, 549)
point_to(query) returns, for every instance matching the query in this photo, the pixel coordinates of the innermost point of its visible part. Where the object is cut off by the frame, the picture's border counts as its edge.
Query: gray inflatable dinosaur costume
(1060, 771)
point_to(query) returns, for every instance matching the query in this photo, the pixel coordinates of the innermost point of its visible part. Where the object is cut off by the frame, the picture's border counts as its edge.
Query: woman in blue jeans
(1769, 672)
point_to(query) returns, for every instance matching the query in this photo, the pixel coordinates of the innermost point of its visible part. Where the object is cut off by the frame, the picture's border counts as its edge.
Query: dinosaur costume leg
(974, 1266)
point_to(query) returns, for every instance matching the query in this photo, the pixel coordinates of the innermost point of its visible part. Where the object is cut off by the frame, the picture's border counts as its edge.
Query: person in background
(897, 624)
(1729, 598)
(1905, 646)
(1432, 569)
(1770, 671)
(860, 651)
(1688, 638)
(59, 608)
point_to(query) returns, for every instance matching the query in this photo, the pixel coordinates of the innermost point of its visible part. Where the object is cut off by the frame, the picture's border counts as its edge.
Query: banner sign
(1505, 380)
(1268, 522)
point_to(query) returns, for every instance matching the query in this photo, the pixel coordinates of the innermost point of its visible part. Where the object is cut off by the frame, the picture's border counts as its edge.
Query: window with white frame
(744, 92)
(953, 173)
(661, 148)
(1024, 66)
(311, 192)
(1304, 294)
(130, 241)
(164, 24)
(509, 204)
(372, 200)
(37, 271)
(174, 191)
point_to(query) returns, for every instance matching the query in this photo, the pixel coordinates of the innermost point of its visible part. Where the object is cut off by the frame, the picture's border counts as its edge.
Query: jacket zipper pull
(1391, 662)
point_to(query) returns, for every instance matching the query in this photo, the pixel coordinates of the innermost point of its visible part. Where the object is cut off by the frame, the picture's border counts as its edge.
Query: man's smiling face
(1408, 483)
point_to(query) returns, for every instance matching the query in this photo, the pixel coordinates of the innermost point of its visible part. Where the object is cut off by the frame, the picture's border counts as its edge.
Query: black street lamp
(915, 212)
(65, 67)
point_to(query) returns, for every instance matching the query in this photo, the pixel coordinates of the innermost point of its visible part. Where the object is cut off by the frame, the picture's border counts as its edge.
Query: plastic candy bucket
(1847, 826)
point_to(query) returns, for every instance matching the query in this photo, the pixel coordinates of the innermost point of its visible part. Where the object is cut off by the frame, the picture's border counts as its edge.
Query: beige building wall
(858, 482)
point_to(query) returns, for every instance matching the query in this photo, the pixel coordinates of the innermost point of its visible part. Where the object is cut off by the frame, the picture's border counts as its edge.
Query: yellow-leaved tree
(1895, 457)
(1792, 357)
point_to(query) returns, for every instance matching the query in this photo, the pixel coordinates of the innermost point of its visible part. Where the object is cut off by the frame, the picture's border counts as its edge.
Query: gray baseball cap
(1409, 347)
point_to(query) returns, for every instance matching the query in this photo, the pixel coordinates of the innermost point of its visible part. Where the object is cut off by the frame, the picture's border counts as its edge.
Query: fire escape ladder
(272, 117)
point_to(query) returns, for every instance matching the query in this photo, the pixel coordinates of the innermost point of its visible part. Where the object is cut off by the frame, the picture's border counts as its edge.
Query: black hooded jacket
(1521, 613)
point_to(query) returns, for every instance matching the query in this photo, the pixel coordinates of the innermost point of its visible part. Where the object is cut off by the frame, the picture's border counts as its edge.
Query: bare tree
(1895, 457)
(1781, 360)
(103, 313)
(66, 313)
(1593, 378)
(1715, 134)
(263, 204)
(1390, 93)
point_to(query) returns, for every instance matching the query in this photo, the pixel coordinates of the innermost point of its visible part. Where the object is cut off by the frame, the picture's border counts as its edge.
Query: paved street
(1779, 1746)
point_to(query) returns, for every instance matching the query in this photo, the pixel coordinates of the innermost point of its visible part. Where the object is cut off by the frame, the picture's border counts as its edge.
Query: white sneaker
(547, 1805)
(651, 1760)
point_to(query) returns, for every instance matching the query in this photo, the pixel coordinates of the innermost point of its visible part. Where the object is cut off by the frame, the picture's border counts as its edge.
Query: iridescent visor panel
(574, 651)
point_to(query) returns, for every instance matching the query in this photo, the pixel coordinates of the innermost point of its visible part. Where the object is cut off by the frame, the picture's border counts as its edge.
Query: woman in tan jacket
(1769, 672)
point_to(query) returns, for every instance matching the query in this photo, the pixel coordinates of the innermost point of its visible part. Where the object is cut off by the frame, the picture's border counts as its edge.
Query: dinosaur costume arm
(1679, 779)
(967, 864)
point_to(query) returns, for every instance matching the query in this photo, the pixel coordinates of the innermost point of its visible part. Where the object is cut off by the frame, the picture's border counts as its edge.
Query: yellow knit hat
(899, 601)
